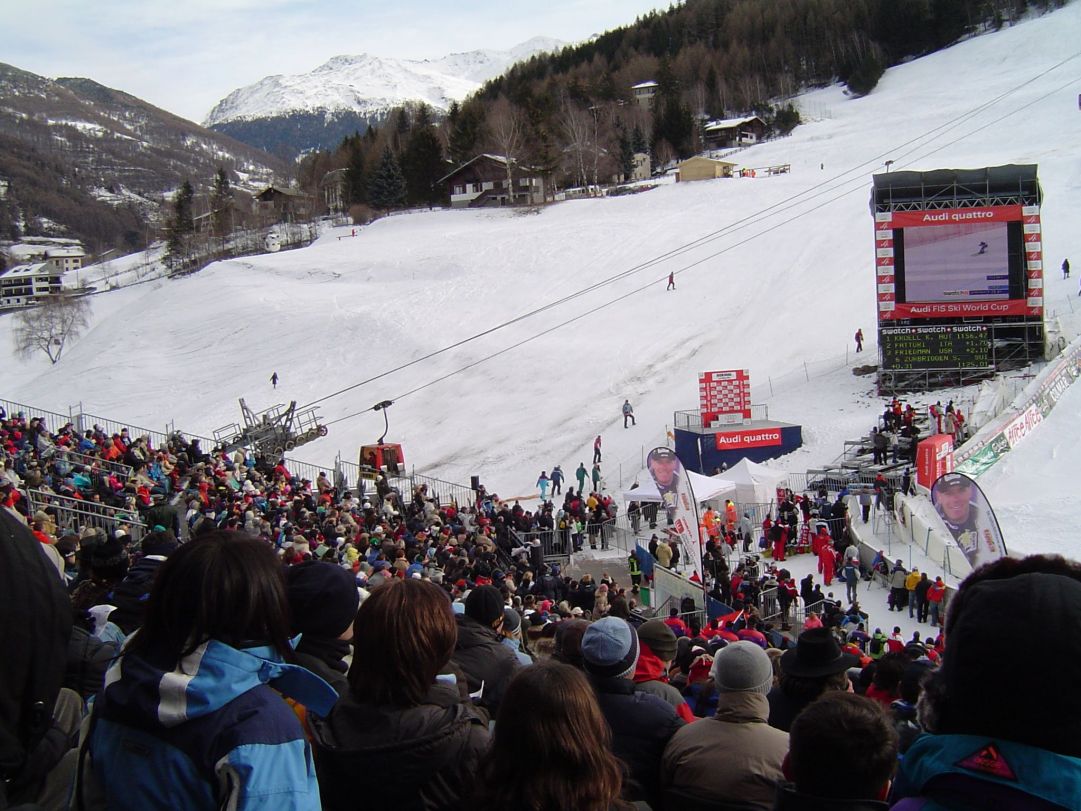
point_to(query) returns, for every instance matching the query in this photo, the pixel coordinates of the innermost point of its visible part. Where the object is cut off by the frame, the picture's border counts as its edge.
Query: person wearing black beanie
(1003, 734)
(108, 566)
(479, 653)
(131, 594)
(323, 602)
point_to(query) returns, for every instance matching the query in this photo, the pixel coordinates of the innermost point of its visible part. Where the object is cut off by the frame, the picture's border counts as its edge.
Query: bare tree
(577, 129)
(48, 326)
(508, 136)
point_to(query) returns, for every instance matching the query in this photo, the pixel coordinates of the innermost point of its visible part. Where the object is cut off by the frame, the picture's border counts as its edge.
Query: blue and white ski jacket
(210, 734)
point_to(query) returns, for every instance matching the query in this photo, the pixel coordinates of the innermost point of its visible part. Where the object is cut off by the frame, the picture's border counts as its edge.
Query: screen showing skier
(957, 262)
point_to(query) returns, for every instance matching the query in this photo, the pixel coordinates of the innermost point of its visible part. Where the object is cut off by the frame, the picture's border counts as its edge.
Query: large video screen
(957, 262)
(954, 263)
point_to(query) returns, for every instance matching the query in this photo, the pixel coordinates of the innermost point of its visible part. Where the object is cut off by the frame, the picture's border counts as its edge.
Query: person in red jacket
(935, 595)
(777, 536)
(827, 561)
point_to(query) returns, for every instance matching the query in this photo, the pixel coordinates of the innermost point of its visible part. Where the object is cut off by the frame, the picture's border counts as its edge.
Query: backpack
(875, 646)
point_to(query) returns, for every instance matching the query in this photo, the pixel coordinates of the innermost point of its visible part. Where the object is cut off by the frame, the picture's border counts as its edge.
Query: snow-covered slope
(370, 85)
(780, 281)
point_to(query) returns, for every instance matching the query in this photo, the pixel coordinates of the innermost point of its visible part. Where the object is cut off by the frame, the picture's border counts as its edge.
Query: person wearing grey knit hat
(737, 736)
(742, 667)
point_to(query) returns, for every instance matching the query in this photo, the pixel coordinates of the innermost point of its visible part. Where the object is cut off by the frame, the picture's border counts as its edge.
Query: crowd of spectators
(269, 642)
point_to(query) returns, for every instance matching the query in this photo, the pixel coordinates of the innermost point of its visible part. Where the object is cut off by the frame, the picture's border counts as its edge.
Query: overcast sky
(186, 55)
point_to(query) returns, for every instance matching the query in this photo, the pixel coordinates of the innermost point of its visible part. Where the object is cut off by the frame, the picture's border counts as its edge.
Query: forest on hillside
(572, 115)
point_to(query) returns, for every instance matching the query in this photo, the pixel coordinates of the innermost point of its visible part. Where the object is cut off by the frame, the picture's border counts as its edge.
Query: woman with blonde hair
(552, 747)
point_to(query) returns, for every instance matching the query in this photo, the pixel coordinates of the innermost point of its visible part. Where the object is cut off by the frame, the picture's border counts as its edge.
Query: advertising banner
(959, 309)
(947, 216)
(967, 514)
(758, 438)
(677, 499)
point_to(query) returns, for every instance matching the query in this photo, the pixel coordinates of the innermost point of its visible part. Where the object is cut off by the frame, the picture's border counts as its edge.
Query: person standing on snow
(597, 449)
(1065, 268)
(628, 413)
(557, 480)
(274, 380)
(671, 281)
(542, 484)
(581, 474)
(597, 477)
(859, 340)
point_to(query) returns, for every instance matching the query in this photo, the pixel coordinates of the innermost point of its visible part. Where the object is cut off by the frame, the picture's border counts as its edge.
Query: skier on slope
(274, 380)
(982, 250)
(628, 413)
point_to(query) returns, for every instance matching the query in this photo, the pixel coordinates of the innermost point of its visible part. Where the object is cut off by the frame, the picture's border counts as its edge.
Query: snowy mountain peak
(368, 84)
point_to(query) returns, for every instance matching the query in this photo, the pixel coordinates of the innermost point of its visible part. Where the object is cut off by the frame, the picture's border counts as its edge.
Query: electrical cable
(781, 206)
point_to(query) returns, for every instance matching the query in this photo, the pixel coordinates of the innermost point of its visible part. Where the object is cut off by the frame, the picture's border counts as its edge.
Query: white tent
(705, 488)
(755, 483)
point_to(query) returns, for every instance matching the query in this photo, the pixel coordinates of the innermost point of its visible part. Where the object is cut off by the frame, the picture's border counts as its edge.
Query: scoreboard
(952, 346)
(725, 394)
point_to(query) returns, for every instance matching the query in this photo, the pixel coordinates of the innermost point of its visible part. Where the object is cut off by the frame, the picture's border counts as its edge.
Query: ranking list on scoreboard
(950, 346)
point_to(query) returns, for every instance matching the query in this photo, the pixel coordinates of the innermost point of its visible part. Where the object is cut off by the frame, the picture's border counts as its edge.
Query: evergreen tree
(182, 223)
(221, 206)
(355, 176)
(386, 190)
(626, 154)
(865, 76)
(465, 134)
(675, 124)
(638, 140)
(422, 161)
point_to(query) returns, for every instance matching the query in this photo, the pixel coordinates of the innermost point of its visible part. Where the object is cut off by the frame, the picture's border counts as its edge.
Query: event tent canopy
(705, 488)
(755, 483)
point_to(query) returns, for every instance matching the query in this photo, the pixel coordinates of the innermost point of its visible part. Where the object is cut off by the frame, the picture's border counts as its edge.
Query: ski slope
(774, 274)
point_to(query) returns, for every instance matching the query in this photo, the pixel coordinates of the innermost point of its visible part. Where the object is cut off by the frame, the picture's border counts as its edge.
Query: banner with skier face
(677, 500)
(968, 516)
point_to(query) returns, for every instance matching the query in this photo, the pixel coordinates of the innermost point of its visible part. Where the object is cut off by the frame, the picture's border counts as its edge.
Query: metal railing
(75, 458)
(54, 421)
(445, 492)
(551, 545)
(691, 419)
(74, 514)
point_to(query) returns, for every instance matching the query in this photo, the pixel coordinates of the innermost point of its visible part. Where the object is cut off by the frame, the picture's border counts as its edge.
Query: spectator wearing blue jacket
(192, 714)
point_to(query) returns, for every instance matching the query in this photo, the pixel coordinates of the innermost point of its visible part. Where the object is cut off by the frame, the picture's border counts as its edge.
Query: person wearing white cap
(735, 756)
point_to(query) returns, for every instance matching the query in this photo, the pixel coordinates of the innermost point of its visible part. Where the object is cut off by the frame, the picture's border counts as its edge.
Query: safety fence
(65, 455)
(83, 421)
(73, 515)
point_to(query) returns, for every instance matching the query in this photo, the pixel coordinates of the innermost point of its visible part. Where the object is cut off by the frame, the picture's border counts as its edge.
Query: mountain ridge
(291, 113)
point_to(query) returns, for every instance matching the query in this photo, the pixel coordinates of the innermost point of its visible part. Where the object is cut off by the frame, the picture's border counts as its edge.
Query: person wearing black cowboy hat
(815, 666)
